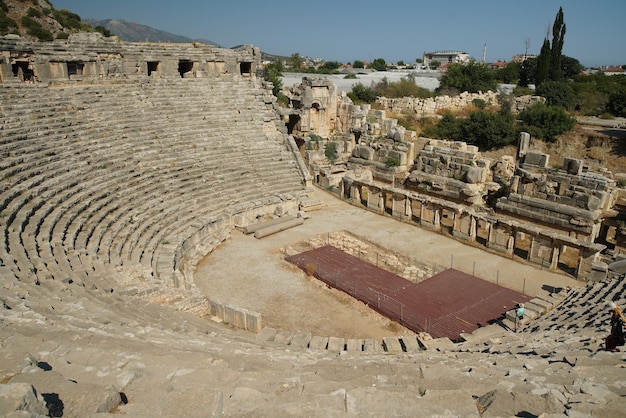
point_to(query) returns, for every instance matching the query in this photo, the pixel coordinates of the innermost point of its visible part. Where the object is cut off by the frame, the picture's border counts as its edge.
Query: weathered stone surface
(21, 397)
(500, 403)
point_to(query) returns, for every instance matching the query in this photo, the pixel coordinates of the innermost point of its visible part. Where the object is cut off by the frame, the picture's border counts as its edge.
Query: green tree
(379, 64)
(546, 122)
(556, 93)
(558, 36)
(509, 74)
(570, 67)
(405, 87)
(104, 31)
(329, 66)
(617, 102)
(527, 73)
(488, 130)
(296, 62)
(543, 63)
(358, 64)
(362, 94)
(435, 64)
(471, 77)
(273, 74)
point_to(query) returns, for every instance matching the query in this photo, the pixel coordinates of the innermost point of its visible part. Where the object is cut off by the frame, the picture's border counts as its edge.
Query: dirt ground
(605, 148)
(252, 273)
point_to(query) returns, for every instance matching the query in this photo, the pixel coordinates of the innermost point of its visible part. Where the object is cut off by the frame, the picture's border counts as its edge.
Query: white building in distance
(445, 57)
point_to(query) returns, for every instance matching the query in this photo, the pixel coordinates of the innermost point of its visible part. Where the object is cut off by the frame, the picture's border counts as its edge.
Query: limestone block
(253, 322)
(537, 158)
(336, 344)
(474, 175)
(216, 309)
(229, 314)
(354, 344)
(283, 337)
(504, 403)
(21, 397)
(301, 339)
(318, 343)
(239, 318)
(392, 345)
(267, 334)
(370, 344)
(410, 343)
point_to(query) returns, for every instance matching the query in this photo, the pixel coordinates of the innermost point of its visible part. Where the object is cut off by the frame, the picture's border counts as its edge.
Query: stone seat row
(305, 340)
(42, 235)
(586, 307)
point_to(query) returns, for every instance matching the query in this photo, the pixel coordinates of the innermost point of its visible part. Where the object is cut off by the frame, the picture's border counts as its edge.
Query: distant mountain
(135, 32)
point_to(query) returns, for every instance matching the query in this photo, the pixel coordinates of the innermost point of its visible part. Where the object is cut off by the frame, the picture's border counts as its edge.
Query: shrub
(104, 31)
(556, 93)
(362, 94)
(449, 127)
(392, 162)
(488, 130)
(33, 12)
(617, 102)
(34, 28)
(330, 151)
(67, 19)
(62, 35)
(546, 121)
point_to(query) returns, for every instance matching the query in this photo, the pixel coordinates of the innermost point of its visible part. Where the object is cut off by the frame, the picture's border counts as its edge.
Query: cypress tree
(543, 63)
(558, 35)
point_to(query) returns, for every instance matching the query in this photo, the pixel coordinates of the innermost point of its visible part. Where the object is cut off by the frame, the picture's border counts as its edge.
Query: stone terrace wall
(88, 56)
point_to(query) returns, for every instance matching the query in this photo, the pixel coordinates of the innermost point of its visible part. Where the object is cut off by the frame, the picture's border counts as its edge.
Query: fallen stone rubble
(92, 354)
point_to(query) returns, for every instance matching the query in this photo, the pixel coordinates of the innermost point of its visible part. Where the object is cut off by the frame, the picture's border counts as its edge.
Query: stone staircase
(105, 352)
(101, 176)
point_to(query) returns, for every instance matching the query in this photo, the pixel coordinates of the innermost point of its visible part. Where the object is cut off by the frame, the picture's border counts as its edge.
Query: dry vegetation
(599, 148)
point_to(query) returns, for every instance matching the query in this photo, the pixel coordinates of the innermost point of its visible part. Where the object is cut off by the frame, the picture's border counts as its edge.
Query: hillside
(38, 20)
(135, 32)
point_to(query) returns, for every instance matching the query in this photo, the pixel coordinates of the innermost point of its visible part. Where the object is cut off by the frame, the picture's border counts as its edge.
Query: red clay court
(445, 305)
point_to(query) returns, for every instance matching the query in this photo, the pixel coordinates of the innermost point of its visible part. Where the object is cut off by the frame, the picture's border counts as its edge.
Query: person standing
(617, 326)
(519, 315)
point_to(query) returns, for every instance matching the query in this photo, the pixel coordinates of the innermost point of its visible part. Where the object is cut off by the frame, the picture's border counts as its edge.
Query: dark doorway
(75, 68)
(245, 68)
(21, 69)
(293, 124)
(153, 66)
(184, 66)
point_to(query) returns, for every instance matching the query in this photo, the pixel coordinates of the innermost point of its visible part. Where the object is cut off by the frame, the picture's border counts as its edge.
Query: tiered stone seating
(123, 173)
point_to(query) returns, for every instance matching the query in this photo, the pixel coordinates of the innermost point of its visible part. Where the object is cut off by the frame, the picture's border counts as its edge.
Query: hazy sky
(348, 30)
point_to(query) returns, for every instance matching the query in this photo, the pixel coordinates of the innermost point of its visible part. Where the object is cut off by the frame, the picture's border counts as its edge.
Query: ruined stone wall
(453, 170)
(88, 56)
(432, 105)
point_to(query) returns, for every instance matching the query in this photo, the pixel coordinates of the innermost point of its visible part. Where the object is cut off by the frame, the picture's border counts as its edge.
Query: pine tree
(558, 35)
